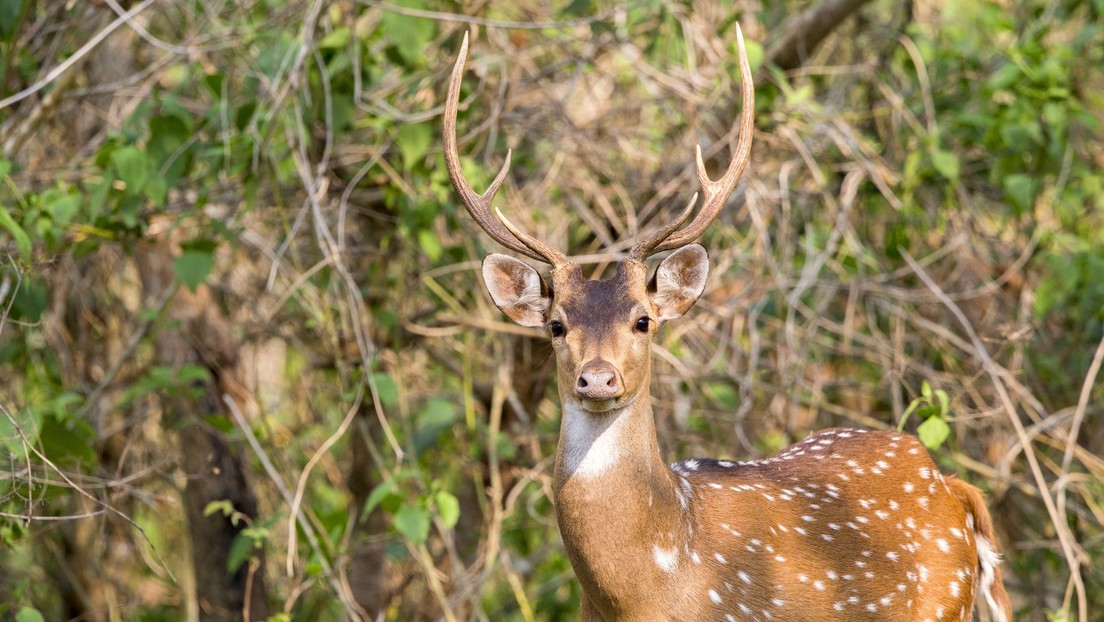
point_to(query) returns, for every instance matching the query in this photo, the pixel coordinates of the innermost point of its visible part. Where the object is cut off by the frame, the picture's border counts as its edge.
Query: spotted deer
(845, 525)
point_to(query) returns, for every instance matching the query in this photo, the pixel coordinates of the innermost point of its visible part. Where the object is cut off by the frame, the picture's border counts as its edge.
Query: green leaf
(577, 8)
(9, 19)
(222, 506)
(437, 416)
(412, 523)
(335, 40)
(215, 83)
(168, 154)
(933, 432)
(240, 551)
(430, 245)
(157, 190)
(29, 614)
(22, 240)
(257, 534)
(408, 34)
(724, 394)
(62, 207)
(67, 441)
(414, 140)
(192, 267)
(1020, 191)
(131, 168)
(945, 163)
(448, 508)
(944, 402)
(378, 494)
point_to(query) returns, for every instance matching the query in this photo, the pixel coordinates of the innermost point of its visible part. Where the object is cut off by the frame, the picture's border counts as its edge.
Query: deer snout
(599, 380)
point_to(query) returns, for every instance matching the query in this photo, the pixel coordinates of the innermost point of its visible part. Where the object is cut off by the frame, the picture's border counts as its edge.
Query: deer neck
(622, 512)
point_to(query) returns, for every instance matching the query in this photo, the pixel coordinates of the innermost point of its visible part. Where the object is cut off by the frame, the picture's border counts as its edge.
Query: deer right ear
(517, 289)
(679, 281)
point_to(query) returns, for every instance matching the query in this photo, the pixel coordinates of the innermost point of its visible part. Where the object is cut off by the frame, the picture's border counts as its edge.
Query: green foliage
(195, 262)
(251, 538)
(412, 511)
(29, 614)
(933, 406)
(165, 380)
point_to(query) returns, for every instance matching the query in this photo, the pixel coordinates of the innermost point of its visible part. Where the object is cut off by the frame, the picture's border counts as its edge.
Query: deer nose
(599, 380)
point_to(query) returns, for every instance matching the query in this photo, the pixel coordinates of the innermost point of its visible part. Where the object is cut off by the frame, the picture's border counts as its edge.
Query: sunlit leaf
(408, 34)
(430, 245)
(412, 523)
(22, 240)
(131, 168)
(192, 268)
(933, 432)
(378, 494)
(337, 39)
(414, 140)
(448, 508)
(29, 614)
(241, 549)
(945, 163)
(1020, 191)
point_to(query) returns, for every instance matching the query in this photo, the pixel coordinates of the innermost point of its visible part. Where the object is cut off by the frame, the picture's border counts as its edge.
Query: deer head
(601, 330)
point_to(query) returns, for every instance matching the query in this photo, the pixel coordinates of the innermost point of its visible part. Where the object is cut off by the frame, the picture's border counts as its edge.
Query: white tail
(846, 525)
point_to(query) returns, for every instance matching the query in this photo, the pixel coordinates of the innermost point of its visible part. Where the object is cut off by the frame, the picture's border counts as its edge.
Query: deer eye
(556, 329)
(643, 323)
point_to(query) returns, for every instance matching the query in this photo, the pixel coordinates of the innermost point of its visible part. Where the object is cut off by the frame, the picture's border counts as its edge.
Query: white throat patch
(592, 443)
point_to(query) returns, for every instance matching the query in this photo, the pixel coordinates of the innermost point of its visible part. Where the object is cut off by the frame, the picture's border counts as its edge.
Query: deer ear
(679, 281)
(517, 289)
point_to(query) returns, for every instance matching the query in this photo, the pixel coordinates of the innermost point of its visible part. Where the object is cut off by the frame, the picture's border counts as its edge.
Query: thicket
(246, 363)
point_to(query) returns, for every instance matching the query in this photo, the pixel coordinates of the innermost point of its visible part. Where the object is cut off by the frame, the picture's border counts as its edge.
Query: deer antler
(479, 205)
(716, 193)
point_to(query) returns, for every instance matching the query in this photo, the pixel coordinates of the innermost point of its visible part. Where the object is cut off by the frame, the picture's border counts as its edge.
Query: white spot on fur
(666, 559)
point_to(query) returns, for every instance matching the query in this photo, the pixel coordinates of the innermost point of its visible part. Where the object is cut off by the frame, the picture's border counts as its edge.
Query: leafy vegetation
(247, 363)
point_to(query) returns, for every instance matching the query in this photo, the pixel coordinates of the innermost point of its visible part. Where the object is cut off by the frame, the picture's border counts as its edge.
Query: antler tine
(716, 193)
(549, 254)
(641, 250)
(479, 205)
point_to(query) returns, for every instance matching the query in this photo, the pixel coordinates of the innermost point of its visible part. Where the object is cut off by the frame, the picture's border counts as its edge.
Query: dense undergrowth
(227, 231)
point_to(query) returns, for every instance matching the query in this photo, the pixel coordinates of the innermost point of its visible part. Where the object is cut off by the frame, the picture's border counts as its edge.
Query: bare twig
(1070, 548)
(76, 57)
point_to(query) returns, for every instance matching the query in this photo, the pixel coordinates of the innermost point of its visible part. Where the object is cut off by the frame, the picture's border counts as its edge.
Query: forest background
(247, 368)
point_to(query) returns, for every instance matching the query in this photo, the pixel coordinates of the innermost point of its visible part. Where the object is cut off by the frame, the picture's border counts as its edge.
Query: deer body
(846, 525)
(777, 539)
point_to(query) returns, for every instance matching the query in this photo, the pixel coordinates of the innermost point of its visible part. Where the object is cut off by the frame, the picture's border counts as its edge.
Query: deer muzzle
(599, 380)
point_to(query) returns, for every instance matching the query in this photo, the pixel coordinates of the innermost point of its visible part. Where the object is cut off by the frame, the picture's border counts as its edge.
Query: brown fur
(974, 501)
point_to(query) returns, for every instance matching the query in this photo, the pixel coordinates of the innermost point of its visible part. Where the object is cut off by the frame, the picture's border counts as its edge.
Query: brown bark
(805, 31)
(366, 569)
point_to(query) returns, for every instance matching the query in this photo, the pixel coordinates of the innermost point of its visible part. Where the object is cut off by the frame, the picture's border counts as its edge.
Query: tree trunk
(201, 335)
(804, 32)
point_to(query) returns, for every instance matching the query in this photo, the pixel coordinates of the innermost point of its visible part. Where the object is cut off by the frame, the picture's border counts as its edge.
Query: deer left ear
(517, 289)
(679, 281)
